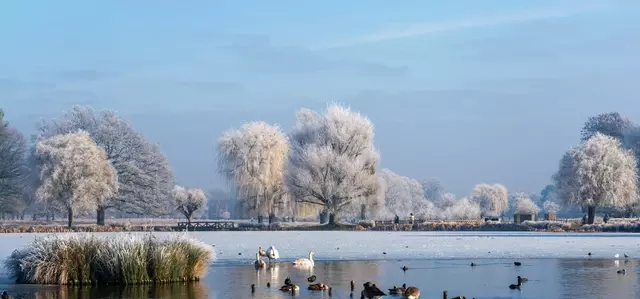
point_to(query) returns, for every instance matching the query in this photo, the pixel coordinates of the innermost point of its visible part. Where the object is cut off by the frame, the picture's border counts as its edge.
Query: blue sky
(463, 91)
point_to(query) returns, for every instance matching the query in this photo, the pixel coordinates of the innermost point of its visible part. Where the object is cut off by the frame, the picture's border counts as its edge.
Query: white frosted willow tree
(598, 173)
(189, 202)
(13, 149)
(524, 204)
(493, 199)
(332, 160)
(403, 195)
(144, 175)
(253, 158)
(75, 173)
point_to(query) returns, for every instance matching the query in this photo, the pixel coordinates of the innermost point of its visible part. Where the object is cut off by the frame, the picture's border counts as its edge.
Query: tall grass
(84, 259)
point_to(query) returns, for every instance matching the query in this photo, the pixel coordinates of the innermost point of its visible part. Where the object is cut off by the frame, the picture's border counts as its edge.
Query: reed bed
(124, 259)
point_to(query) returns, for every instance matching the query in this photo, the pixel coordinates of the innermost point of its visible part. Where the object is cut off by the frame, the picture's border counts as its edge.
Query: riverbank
(627, 226)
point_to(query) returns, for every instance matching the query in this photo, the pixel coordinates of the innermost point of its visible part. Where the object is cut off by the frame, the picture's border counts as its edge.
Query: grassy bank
(85, 259)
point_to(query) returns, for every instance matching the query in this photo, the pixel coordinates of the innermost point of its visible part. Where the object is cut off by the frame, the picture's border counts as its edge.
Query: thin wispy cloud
(423, 29)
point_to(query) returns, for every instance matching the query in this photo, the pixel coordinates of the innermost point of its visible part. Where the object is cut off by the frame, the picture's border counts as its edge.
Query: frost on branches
(598, 173)
(332, 160)
(75, 173)
(144, 175)
(190, 202)
(404, 195)
(493, 199)
(13, 148)
(524, 204)
(253, 159)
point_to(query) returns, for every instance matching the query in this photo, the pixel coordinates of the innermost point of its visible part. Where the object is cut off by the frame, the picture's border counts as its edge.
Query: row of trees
(88, 160)
(328, 164)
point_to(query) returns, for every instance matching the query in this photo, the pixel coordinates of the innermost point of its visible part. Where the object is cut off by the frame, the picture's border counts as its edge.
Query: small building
(521, 217)
(550, 216)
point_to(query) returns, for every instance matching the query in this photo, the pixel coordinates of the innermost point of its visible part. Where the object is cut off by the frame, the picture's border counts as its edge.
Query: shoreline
(539, 226)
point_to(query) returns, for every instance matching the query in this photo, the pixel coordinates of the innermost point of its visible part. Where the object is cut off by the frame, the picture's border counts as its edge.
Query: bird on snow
(272, 253)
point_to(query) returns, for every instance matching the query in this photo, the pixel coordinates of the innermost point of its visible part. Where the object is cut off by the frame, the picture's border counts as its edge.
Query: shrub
(124, 259)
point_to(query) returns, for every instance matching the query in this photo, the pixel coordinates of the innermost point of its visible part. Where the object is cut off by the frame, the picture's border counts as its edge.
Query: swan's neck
(311, 257)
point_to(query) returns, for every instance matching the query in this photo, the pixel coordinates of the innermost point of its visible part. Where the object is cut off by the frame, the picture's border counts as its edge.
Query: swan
(616, 256)
(262, 252)
(272, 253)
(259, 263)
(305, 262)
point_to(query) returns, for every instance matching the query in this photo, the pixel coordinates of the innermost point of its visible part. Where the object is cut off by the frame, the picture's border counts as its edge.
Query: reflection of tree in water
(168, 291)
(597, 278)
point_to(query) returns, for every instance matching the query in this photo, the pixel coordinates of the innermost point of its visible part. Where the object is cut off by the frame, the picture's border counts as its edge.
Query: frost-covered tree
(598, 173)
(144, 175)
(13, 149)
(550, 207)
(253, 159)
(218, 202)
(463, 209)
(332, 160)
(189, 202)
(493, 199)
(524, 204)
(75, 173)
(403, 195)
(611, 124)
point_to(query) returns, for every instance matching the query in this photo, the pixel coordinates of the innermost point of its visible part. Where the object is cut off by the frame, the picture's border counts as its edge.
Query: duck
(412, 293)
(516, 286)
(303, 262)
(623, 271)
(405, 268)
(289, 288)
(626, 256)
(398, 290)
(473, 264)
(272, 253)
(287, 281)
(522, 279)
(311, 278)
(258, 263)
(517, 263)
(318, 287)
(262, 252)
(372, 291)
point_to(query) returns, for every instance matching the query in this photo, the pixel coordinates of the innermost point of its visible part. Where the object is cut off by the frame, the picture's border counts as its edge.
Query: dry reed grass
(85, 259)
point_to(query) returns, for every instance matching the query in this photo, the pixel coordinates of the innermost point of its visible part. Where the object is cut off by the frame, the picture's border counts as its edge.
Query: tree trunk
(272, 217)
(363, 212)
(332, 218)
(70, 217)
(591, 215)
(189, 221)
(100, 216)
(323, 217)
(260, 219)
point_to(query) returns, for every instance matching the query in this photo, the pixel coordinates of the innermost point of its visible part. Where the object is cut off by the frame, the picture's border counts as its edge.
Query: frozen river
(556, 264)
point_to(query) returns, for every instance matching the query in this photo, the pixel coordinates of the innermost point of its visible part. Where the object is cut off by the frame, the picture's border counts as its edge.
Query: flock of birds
(370, 290)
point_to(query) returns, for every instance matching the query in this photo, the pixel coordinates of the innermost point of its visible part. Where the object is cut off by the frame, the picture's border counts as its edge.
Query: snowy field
(240, 247)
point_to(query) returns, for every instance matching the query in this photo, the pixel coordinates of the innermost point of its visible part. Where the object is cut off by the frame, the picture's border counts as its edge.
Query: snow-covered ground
(240, 247)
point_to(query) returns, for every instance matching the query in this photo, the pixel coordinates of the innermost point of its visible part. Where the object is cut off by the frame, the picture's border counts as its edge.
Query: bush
(84, 259)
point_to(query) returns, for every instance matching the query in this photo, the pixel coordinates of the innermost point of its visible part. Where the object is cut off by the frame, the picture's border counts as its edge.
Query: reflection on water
(187, 291)
(548, 278)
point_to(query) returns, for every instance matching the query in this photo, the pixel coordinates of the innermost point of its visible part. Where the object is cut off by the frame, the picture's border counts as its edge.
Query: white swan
(272, 253)
(303, 262)
(616, 256)
(259, 263)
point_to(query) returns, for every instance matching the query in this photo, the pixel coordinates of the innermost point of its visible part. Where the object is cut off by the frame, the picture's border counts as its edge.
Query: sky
(466, 92)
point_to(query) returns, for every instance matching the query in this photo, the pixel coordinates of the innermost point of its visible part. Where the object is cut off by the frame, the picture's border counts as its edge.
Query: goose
(287, 281)
(272, 253)
(516, 286)
(372, 291)
(258, 263)
(262, 252)
(398, 290)
(311, 278)
(318, 287)
(289, 288)
(412, 293)
(405, 268)
(253, 288)
(303, 262)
